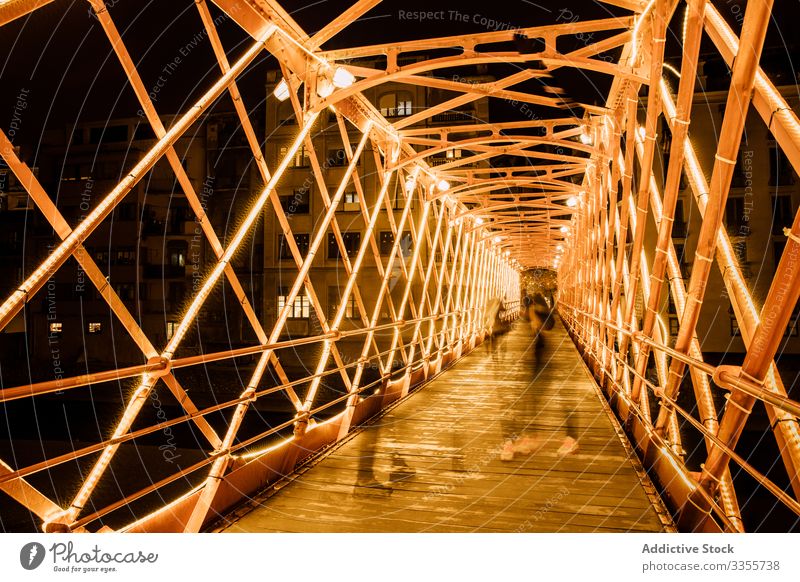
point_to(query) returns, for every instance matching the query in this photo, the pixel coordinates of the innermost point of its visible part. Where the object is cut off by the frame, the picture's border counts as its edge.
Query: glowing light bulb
(507, 253)
(281, 92)
(411, 183)
(343, 78)
(443, 185)
(564, 230)
(324, 86)
(586, 136)
(479, 221)
(497, 239)
(572, 201)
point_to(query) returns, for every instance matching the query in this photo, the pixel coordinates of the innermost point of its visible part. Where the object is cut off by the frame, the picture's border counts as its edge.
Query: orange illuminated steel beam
(212, 482)
(14, 303)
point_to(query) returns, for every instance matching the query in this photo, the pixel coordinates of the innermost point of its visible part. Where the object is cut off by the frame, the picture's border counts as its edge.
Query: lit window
(177, 253)
(125, 256)
(95, 327)
(172, 327)
(300, 307)
(55, 328)
(351, 309)
(301, 158)
(395, 104)
(334, 299)
(351, 201)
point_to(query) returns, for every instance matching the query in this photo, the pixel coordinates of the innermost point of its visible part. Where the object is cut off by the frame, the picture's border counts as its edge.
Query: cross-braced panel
(627, 268)
(427, 216)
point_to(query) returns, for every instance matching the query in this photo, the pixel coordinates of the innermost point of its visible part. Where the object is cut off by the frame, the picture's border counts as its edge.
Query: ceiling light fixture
(281, 91)
(343, 78)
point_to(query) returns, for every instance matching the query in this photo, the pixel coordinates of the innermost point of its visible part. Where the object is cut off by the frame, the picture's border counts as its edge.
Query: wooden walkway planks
(451, 432)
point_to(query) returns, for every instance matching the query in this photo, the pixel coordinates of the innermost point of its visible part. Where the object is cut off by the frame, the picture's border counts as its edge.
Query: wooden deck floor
(450, 433)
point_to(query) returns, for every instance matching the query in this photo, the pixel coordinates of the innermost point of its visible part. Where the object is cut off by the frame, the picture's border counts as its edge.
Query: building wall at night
(304, 206)
(763, 199)
(152, 248)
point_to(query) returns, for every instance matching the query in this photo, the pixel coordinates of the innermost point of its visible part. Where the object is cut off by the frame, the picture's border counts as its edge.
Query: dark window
(674, 326)
(777, 251)
(734, 214)
(297, 202)
(781, 213)
(231, 170)
(740, 252)
(780, 170)
(336, 158)
(352, 241)
(108, 134)
(671, 309)
(387, 241)
(125, 291)
(143, 131)
(177, 292)
(679, 226)
(286, 114)
(743, 167)
(284, 252)
(126, 211)
(791, 327)
(178, 216)
(680, 253)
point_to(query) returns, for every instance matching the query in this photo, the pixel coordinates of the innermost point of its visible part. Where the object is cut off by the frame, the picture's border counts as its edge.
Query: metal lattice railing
(611, 296)
(480, 203)
(436, 304)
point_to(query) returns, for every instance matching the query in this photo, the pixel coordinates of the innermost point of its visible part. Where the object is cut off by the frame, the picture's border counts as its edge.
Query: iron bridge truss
(475, 228)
